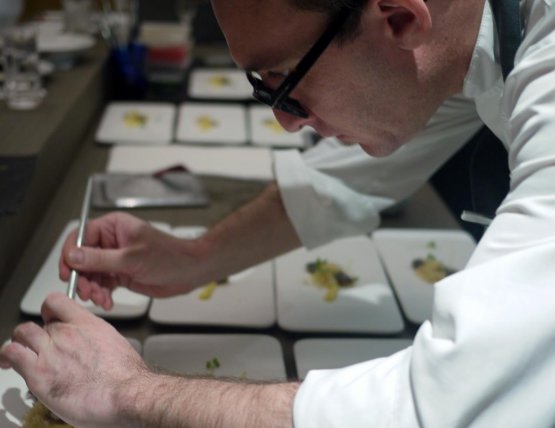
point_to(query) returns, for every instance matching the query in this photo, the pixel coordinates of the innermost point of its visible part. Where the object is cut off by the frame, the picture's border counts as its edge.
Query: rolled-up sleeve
(333, 191)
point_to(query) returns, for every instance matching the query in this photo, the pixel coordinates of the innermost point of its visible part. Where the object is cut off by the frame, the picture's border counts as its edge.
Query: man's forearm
(161, 400)
(258, 231)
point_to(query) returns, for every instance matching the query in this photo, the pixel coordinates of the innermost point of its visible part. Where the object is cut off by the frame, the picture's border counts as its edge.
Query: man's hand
(77, 365)
(90, 376)
(122, 250)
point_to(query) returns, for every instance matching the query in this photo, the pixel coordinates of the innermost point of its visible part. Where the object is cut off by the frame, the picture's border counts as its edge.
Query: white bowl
(64, 48)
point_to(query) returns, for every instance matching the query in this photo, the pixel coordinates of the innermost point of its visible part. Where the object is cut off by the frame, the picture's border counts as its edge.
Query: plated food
(364, 302)
(41, 417)
(219, 81)
(135, 119)
(212, 123)
(206, 123)
(273, 125)
(330, 277)
(212, 365)
(136, 123)
(430, 269)
(219, 84)
(19, 408)
(207, 290)
(265, 130)
(244, 299)
(415, 259)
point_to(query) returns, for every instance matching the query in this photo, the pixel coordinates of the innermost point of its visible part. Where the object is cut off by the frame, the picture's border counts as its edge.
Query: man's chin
(378, 151)
(346, 141)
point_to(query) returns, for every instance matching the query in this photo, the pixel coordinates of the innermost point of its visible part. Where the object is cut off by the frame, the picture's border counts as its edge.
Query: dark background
(205, 27)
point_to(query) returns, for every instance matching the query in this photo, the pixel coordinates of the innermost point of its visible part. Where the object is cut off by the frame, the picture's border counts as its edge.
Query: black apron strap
(483, 160)
(509, 31)
(489, 177)
(489, 170)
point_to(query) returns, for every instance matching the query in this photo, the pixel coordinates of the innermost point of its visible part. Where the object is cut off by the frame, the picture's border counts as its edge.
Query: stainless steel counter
(53, 133)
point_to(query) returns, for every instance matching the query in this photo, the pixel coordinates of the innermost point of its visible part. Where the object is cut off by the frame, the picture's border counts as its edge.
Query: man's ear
(407, 22)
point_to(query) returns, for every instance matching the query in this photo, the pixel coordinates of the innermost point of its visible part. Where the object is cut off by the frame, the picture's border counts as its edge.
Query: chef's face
(363, 90)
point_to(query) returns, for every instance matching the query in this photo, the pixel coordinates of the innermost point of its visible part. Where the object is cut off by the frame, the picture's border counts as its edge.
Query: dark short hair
(331, 7)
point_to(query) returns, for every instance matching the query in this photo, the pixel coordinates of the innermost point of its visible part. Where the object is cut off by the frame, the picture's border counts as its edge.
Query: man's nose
(290, 123)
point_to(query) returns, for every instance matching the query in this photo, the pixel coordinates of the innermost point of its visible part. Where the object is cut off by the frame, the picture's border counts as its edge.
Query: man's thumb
(96, 260)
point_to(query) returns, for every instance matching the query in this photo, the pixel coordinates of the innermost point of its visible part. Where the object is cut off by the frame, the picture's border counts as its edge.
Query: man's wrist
(133, 397)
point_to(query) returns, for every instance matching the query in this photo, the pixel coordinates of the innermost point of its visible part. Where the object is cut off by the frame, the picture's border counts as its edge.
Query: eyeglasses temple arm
(308, 61)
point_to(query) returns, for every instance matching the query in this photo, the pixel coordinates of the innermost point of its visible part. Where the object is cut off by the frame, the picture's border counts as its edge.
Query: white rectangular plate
(137, 123)
(253, 163)
(247, 300)
(265, 130)
(256, 357)
(319, 354)
(14, 402)
(398, 249)
(212, 123)
(367, 307)
(219, 84)
(127, 304)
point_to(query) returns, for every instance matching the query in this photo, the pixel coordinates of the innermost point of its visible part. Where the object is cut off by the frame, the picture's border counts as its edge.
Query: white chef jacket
(487, 356)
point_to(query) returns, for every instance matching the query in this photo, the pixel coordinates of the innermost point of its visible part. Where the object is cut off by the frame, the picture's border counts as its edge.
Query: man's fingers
(59, 307)
(4, 362)
(84, 288)
(18, 357)
(63, 268)
(31, 335)
(108, 300)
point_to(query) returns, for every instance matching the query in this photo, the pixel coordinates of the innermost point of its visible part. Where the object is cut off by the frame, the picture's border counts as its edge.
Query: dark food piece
(322, 266)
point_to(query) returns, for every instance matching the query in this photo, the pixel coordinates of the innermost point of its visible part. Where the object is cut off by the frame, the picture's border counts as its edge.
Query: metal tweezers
(74, 276)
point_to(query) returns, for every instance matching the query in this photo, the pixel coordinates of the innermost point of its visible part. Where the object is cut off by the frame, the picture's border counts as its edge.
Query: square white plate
(219, 84)
(265, 130)
(318, 354)
(398, 248)
(14, 403)
(127, 304)
(247, 300)
(256, 357)
(212, 123)
(367, 307)
(137, 123)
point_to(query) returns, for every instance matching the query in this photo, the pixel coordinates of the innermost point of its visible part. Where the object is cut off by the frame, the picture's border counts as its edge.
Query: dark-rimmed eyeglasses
(279, 98)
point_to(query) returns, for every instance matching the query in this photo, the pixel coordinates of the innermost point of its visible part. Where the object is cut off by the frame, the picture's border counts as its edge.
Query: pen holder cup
(128, 71)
